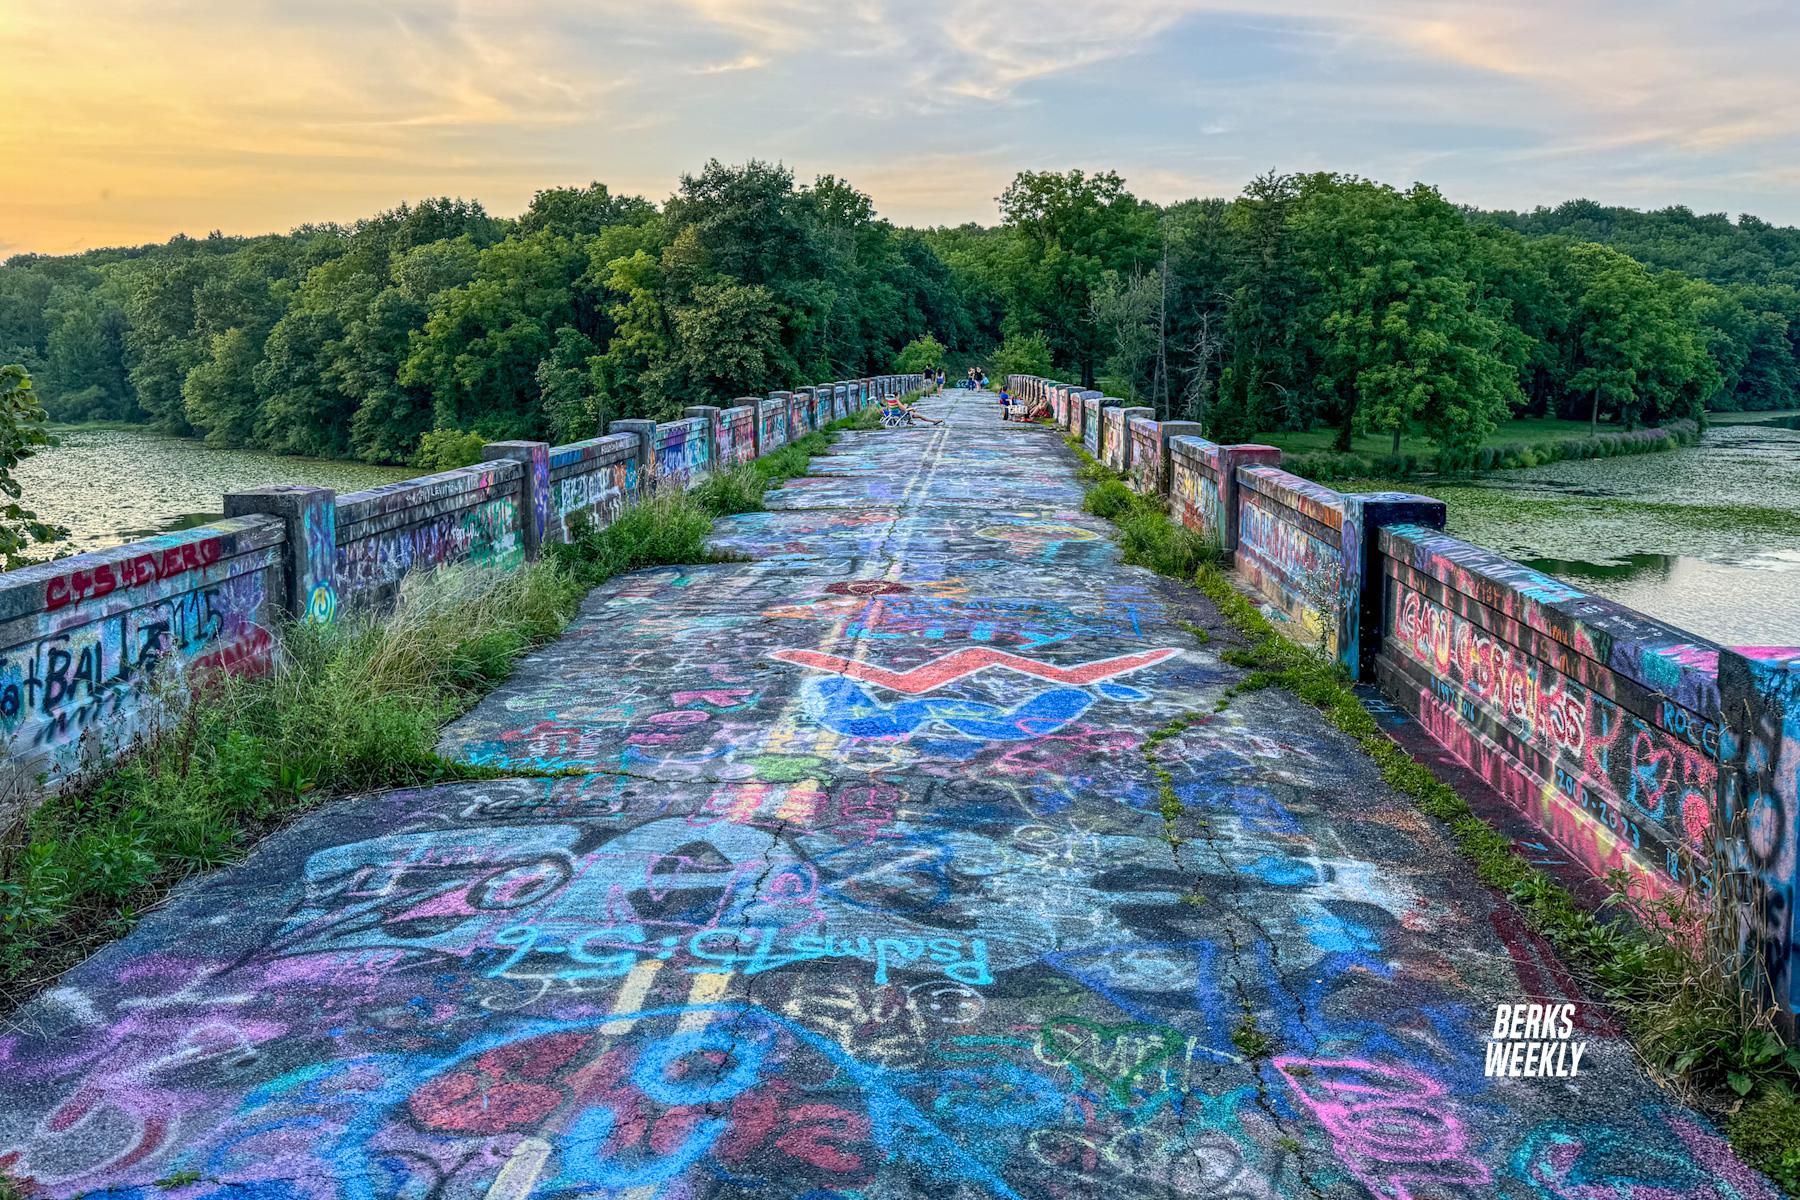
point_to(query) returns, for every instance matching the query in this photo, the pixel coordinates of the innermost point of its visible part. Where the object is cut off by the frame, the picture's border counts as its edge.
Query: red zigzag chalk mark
(935, 674)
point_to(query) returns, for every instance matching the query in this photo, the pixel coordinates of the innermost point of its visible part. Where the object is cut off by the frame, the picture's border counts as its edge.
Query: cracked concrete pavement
(856, 883)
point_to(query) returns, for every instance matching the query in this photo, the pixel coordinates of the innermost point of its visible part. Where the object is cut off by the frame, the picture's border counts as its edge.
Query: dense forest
(1305, 301)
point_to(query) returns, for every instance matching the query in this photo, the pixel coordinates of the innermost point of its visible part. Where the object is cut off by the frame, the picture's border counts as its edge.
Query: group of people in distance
(934, 385)
(934, 380)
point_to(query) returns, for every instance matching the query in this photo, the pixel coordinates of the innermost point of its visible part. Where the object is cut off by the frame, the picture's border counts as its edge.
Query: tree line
(1306, 301)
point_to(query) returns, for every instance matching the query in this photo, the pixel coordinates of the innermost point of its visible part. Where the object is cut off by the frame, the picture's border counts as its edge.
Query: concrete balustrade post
(645, 432)
(309, 549)
(711, 413)
(1362, 587)
(1127, 415)
(1756, 819)
(1230, 459)
(1173, 429)
(534, 487)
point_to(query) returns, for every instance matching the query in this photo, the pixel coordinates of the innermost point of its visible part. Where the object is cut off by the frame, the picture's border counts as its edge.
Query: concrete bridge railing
(93, 648)
(1628, 743)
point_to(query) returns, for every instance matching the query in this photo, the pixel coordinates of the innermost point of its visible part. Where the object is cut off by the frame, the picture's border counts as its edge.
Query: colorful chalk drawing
(865, 880)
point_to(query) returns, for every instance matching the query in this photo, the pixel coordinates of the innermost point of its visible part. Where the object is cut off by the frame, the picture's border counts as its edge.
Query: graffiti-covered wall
(1091, 425)
(800, 410)
(737, 436)
(1194, 485)
(468, 515)
(682, 453)
(772, 424)
(1146, 456)
(1760, 690)
(1599, 722)
(90, 640)
(592, 481)
(1290, 548)
(1113, 449)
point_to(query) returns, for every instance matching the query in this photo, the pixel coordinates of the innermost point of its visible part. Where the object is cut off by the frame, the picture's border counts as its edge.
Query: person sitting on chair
(913, 418)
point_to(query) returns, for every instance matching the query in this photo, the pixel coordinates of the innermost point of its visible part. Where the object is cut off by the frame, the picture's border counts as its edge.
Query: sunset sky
(128, 121)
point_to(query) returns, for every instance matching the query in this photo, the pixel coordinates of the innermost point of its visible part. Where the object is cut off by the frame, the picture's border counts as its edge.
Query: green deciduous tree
(21, 435)
(922, 352)
(1065, 231)
(1022, 354)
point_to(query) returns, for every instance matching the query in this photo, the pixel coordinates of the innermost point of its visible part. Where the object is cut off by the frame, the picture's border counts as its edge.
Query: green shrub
(1150, 539)
(1766, 1132)
(348, 707)
(1108, 498)
(739, 490)
(447, 449)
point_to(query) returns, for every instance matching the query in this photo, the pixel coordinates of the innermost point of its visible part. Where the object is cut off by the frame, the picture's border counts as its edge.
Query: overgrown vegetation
(1147, 535)
(1491, 456)
(1671, 971)
(22, 435)
(351, 707)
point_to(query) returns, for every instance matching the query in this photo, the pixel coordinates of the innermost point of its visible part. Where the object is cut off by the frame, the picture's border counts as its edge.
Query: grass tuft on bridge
(351, 707)
(1678, 996)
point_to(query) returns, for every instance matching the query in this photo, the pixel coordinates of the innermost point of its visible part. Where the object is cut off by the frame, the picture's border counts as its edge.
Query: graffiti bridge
(845, 870)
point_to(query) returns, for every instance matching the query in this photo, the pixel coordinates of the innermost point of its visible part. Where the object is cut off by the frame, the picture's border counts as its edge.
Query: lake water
(1706, 537)
(111, 486)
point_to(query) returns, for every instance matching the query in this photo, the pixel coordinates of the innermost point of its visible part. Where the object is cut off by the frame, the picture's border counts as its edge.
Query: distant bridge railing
(95, 647)
(1630, 744)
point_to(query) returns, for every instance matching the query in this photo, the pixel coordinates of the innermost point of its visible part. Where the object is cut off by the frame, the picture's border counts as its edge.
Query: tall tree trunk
(1396, 449)
(1594, 415)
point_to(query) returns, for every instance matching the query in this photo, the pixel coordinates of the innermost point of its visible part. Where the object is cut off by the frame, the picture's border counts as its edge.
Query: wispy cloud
(135, 118)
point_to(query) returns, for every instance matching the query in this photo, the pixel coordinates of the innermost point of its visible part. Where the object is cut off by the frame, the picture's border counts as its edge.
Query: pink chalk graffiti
(1392, 1128)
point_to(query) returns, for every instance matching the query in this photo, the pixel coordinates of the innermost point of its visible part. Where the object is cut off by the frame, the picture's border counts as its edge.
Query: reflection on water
(111, 486)
(1745, 603)
(1632, 565)
(1668, 534)
(1659, 532)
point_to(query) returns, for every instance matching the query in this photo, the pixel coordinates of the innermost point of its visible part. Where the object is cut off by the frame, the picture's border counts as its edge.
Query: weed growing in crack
(1685, 1015)
(1168, 803)
(351, 707)
(1250, 1038)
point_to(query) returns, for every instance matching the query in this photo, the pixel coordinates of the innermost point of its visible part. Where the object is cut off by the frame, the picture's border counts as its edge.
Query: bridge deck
(860, 887)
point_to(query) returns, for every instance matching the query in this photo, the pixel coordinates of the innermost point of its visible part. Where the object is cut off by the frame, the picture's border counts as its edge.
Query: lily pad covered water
(1706, 537)
(112, 486)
